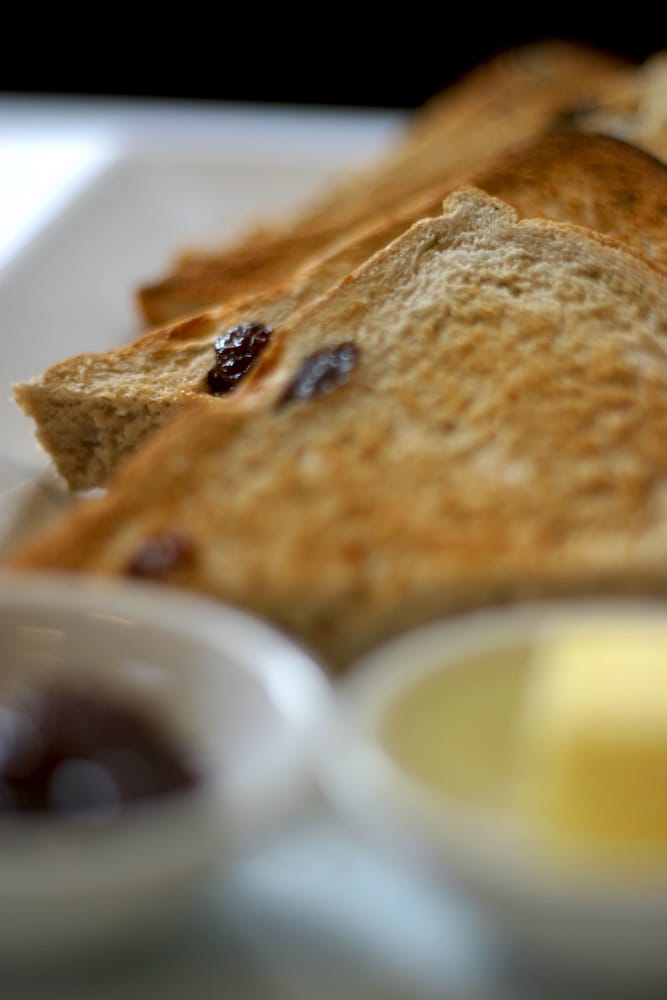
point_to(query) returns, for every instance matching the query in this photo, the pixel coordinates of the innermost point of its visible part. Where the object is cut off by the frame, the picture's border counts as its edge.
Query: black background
(355, 56)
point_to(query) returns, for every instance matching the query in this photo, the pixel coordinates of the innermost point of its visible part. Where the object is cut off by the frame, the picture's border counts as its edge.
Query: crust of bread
(501, 436)
(93, 410)
(512, 98)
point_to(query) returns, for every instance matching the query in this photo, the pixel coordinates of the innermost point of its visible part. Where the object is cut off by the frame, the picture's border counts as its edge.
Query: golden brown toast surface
(499, 432)
(93, 410)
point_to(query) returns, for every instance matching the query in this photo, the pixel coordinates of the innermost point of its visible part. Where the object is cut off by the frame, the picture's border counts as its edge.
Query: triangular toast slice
(92, 410)
(512, 98)
(478, 413)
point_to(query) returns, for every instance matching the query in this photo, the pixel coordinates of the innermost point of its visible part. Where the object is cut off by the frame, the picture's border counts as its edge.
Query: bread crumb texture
(501, 435)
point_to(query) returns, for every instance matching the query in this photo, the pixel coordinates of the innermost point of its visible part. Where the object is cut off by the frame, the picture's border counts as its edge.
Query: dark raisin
(236, 351)
(160, 555)
(63, 751)
(322, 372)
(575, 115)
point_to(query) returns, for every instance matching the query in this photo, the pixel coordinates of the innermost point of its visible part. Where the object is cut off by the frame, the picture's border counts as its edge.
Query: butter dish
(421, 750)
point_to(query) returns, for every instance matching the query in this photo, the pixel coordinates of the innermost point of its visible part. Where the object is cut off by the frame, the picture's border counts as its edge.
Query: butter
(452, 730)
(591, 754)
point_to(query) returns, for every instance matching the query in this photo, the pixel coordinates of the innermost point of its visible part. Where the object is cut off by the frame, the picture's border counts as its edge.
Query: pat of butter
(591, 767)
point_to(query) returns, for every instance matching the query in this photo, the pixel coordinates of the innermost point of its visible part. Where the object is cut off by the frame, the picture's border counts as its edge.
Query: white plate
(94, 200)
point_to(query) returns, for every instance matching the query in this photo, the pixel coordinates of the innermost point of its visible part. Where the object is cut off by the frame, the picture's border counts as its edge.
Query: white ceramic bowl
(601, 922)
(239, 695)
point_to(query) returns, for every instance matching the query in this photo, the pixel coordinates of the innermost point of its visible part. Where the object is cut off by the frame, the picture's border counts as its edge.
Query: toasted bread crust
(512, 98)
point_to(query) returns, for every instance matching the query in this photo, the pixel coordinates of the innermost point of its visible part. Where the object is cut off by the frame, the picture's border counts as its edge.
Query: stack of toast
(444, 384)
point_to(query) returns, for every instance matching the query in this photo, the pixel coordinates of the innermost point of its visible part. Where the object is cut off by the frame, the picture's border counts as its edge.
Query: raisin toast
(634, 108)
(478, 413)
(514, 97)
(93, 410)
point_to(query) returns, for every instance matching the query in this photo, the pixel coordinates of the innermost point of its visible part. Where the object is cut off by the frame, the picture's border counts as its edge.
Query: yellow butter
(591, 759)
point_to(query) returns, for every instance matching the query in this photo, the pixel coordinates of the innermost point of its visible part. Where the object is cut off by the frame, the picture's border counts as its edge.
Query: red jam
(63, 752)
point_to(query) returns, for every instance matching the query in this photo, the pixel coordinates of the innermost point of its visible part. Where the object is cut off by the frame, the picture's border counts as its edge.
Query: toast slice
(512, 98)
(93, 410)
(478, 413)
(634, 108)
